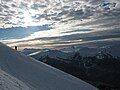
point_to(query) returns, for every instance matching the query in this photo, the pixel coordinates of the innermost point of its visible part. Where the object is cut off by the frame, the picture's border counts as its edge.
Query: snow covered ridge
(34, 75)
(112, 48)
(68, 53)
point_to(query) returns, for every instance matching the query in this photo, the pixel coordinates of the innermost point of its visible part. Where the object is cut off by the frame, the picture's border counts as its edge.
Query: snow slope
(36, 75)
(7, 82)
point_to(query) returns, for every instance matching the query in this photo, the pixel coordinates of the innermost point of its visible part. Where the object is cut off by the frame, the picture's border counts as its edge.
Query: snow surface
(7, 82)
(33, 74)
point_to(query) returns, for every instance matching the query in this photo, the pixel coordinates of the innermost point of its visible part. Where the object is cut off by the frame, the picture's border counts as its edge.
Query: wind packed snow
(19, 72)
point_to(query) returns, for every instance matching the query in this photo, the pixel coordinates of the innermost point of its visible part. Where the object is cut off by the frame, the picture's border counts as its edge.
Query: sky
(58, 23)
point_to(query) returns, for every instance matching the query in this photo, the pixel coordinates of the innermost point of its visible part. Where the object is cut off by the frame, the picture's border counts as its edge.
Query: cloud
(52, 10)
(67, 18)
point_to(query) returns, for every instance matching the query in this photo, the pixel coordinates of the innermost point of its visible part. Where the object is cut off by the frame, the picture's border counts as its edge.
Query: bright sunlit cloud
(27, 19)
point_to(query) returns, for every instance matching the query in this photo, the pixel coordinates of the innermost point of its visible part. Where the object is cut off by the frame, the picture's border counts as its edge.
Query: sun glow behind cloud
(27, 19)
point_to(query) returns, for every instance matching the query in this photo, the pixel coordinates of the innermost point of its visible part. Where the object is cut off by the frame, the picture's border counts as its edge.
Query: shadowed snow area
(34, 74)
(8, 82)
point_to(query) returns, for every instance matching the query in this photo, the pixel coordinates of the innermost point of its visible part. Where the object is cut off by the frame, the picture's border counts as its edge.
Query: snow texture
(8, 82)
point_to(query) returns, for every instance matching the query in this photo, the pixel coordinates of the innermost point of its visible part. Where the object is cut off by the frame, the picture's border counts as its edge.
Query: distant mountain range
(99, 66)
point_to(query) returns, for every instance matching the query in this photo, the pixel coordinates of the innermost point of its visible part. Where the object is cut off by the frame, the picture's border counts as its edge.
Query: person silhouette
(15, 47)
